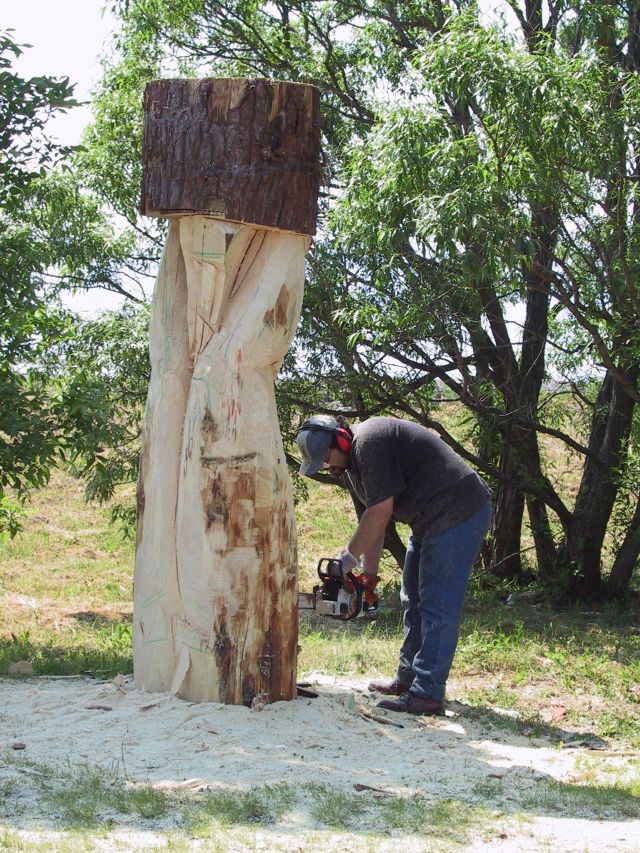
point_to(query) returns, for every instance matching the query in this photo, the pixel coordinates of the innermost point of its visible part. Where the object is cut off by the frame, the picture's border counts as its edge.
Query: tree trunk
(546, 552)
(626, 559)
(507, 520)
(610, 429)
(215, 604)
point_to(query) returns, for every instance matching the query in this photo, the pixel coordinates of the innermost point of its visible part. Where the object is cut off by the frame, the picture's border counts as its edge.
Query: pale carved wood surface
(215, 604)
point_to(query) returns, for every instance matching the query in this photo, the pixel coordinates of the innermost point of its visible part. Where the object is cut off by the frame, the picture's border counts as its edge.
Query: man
(400, 470)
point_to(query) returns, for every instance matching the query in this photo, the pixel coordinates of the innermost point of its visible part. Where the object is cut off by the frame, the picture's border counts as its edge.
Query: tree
(53, 235)
(30, 320)
(100, 404)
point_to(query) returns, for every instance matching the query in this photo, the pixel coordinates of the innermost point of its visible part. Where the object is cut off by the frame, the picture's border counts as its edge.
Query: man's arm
(368, 539)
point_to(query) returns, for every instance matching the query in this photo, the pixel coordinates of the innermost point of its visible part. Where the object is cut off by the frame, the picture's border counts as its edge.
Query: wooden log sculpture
(235, 165)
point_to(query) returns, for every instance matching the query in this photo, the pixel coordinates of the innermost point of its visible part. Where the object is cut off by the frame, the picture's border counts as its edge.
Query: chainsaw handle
(334, 568)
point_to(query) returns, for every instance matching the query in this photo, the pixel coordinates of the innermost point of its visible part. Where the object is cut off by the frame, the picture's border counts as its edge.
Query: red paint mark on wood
(238, 365)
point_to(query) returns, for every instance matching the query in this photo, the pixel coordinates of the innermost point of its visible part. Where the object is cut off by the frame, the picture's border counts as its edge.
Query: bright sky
(67, 38)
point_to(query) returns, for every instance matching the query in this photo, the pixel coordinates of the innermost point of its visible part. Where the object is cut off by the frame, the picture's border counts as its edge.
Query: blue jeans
(434, 582)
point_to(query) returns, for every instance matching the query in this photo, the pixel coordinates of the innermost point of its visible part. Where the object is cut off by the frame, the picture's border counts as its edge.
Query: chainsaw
(340, 594)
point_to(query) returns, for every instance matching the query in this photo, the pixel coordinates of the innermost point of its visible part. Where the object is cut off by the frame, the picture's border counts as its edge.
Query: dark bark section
(236, 149)
(626, 559)
(610, 430)
(394, 544)
(507, 518)
(520, 387)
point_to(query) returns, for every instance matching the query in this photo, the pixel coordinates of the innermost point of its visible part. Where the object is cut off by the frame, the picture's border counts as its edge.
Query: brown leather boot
(390, 688)
(412, 704)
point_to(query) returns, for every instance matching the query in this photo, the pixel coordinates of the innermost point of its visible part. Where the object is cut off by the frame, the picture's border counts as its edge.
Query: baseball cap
(314, 438)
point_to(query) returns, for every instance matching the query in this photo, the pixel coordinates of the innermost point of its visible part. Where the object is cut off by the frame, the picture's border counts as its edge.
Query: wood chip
(558, 713)
(18, 745)
(360, 787)
(96, 706)
(21, 667)
(120, 683)
(378, 718)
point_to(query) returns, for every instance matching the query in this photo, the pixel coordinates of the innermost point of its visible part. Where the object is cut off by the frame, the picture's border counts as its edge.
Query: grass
(356, 648)
(66, 588)
(87, 800)
(616, 799)
(91, 648)
(596, 802)
(264, 806)
(66, 608)
(90, 800)
(89, 796)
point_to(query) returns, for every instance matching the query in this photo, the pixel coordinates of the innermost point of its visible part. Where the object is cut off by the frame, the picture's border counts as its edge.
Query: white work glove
(349, 562)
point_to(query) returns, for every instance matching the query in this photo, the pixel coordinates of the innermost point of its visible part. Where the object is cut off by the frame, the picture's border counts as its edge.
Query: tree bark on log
(215, 594)
(237, 149)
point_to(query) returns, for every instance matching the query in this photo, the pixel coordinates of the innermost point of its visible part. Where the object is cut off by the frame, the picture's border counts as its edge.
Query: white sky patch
(67, 38)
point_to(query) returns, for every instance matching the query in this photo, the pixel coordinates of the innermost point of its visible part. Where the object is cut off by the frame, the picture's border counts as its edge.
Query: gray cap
(314, 438)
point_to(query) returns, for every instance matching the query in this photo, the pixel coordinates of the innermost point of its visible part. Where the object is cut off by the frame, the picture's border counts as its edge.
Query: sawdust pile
(330, 739)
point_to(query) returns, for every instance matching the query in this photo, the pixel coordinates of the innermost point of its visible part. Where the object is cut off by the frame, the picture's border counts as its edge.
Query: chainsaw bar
(307, 600)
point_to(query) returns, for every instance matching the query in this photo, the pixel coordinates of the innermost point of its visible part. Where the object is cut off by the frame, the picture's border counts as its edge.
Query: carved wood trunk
(215, 602)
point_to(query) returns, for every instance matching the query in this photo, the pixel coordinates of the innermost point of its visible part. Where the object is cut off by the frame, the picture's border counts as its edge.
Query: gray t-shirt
(432, 487)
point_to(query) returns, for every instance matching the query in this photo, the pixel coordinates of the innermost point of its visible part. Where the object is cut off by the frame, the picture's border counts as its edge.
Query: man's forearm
(368, 539)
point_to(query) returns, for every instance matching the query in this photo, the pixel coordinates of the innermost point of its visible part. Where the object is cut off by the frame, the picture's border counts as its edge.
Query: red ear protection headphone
(342, 438)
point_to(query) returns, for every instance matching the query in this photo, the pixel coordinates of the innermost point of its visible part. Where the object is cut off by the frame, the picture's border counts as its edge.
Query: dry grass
(66, 603)
(66, 586)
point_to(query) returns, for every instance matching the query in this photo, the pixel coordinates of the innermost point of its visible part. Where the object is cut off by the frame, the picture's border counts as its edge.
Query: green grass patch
(451, 821)
(101, 650)
(264, 806)
(336, 808)
(92, 797)
(89, 801)
(596, 802)
(357, 648)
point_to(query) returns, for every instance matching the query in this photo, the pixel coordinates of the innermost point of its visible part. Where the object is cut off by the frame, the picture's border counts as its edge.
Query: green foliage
(53, 235)
(31, 322)
(25, 107)
(101, 401)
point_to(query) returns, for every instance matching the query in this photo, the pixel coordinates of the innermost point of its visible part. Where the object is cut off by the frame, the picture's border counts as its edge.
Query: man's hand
(349, 562)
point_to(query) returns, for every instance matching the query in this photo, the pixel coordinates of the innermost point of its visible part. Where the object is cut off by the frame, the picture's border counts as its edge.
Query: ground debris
(21, 667)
